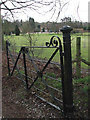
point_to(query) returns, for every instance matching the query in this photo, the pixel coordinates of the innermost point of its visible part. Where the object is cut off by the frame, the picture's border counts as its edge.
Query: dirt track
(20, 103)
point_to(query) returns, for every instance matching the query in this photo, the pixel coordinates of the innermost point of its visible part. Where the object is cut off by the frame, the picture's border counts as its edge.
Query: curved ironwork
(54, 42)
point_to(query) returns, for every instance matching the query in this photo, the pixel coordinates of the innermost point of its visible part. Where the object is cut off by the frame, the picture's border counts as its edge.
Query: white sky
(69, 11)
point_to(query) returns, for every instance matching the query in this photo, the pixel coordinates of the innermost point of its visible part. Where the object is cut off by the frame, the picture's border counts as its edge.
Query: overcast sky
(76, 9)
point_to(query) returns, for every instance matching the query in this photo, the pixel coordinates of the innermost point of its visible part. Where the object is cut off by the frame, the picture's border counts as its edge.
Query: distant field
(41, 39)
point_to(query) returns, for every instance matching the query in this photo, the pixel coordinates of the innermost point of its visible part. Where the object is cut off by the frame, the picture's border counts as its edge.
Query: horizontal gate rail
(31, 59)
(47, 76)
(47, 94)
(52, 78)
(21, 79)
(45, 61)
(37, 47)
(41, 72)
(53, 105)
(56, 99)
(41, 60)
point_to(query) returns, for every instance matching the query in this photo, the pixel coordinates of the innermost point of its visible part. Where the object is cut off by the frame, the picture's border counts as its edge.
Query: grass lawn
(41, 39)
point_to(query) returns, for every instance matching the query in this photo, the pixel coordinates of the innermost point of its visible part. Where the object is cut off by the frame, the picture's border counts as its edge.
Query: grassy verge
(83, 83)
(52, 82)
(80, 95)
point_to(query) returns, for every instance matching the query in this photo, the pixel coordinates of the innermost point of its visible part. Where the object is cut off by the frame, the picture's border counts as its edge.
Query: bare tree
(12, 7)
(15, 6)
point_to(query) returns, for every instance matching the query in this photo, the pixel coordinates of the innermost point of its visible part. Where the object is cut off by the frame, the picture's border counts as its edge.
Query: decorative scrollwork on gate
(54, 42)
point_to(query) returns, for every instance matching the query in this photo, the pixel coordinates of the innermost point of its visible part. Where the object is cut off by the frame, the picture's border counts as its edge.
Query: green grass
(49, 81)
(56, 84)
(83, 81)
(81, 87)
(41, 39)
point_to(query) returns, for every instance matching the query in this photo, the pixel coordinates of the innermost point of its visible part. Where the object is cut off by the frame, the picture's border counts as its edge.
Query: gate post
(67, 83)
(78, 57)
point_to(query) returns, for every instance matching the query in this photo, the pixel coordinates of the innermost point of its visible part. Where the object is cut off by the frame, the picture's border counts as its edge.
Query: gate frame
(66, 75)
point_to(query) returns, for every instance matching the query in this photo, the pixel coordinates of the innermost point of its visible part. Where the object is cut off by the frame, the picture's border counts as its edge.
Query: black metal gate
(47, 87)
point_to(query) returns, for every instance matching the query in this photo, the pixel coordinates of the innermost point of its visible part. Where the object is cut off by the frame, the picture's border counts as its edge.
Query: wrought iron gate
(58, 95)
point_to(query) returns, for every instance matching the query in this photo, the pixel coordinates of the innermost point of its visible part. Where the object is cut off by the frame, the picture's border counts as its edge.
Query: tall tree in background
(17, 31)
(38, 27)
(7, 27)
(31, 25)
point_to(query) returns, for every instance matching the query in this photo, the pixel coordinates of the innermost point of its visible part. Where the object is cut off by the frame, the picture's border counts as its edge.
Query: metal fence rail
(52, 90)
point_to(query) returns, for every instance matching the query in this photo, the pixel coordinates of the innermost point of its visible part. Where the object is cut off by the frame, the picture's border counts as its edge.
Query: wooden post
(78, 57)
(7, 44)
(68, 87)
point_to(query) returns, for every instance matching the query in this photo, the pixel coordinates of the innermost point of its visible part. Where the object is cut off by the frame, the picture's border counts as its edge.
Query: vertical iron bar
(62, 74)
(7, 57)
(68, 87)
(25, 69)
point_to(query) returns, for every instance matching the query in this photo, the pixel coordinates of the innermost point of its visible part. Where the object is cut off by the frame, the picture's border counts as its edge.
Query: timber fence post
(7, 44)
(68, 86)
(78, 57)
